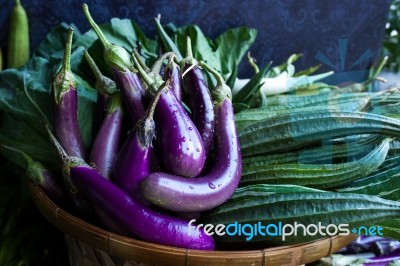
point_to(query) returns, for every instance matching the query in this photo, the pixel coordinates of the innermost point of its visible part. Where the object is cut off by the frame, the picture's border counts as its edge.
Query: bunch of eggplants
(177, 159)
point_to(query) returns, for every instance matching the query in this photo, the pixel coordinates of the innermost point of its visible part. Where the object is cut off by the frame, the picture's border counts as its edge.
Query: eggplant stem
(28, 160)
(140, 60)
(216, 74)
(60, 151)
(146, 127)
(142, 71)
(95, 27)
(103, 85)
(30, 164)
(157, 65)
(65, 80)
(96, 71)
(66, 65)
(221, 91)
(153, 82)
(189, 51)
(189, 59)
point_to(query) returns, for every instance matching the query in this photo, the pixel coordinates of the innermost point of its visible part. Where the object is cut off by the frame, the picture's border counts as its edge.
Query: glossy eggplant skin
(179, 143)
(201, 104)
(106, 144)
(132, 92)
(133, 163)
(65, 106)
(206, 192)
(141, 221)
(66, 126)
(173, 73)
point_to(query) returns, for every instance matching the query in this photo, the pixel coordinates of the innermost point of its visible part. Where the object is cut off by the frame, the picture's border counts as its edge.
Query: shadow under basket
(132, 251)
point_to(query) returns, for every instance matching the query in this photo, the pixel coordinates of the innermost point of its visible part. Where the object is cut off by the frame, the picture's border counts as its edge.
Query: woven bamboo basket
(133, 251)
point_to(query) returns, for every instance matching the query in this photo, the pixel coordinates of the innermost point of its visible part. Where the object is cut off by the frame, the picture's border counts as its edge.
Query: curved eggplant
(206, 192)
(106, 144)
(65, 104)
(132, 91)
(199, 96)
(134, 160)
(179, 143)
(138, 219)
(104, 152)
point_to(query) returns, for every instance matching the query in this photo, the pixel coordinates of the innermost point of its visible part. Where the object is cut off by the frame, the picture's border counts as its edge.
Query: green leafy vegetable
(224, 53)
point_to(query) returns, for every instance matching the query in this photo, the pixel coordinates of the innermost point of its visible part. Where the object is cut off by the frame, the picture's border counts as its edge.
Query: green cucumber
(306, 208)
(334, 151)
(250, 116)
(314, 175)
(384, 182)
(294, 131)
(18, 37)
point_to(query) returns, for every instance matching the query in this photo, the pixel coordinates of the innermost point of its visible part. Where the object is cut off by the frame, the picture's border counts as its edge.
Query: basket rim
(151, 253)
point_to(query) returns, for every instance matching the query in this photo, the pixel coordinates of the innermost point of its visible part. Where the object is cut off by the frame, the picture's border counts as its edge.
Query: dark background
(284, 27)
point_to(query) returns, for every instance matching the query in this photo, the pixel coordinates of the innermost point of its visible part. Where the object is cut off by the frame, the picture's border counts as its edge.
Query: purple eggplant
(214, 188)
(199, 96)
(38, 173)
(179, 143)
(118, 59)
(104, 86)
(65, 104)
(172, 72)
(138, 219)
(106, 144)
(134, 160)
(80, 203)
(109, 122)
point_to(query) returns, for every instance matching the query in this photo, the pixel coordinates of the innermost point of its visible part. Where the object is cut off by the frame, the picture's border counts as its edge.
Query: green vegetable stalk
(18, 37)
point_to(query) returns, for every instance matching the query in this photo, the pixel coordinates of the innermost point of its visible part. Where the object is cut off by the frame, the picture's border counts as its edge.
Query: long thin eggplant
(179, 143)
(134, 160)
(106, 144)
(141, 221)
(65, 102)
(199, 97)
(118, 59)
(38, 173)
(214, 188)
(79, 203)
(108, 125)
